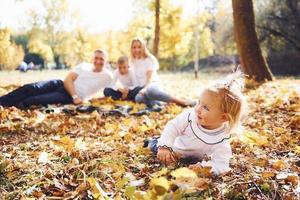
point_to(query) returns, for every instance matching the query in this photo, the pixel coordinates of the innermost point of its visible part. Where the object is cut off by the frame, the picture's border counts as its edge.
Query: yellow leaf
(297, 150)
(121, 183)
(162, 172)
(97, 191)
(3, 164)
(130, 191)
(256, 139)
(267, 175)
(293, 179)
(261, 162)
(142, 128)
(278, 165)
(203, 171)
(65, 142)
(184, 172)
(128, 137)
(160, 185)
(201, 183)
(71, 121)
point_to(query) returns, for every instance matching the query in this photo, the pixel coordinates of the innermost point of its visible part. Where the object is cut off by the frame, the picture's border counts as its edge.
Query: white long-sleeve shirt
(140, 67)
(186, 137)
(127, 80)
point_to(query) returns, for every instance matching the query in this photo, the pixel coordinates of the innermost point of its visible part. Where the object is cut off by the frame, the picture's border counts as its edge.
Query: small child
(125, 76)
(204, 130)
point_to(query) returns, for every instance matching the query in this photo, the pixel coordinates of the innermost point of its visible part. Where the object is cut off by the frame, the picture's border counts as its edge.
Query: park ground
(89, 156)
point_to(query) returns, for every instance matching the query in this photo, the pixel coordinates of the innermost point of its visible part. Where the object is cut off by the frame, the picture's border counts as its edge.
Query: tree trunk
(248, 47)
(157, 28)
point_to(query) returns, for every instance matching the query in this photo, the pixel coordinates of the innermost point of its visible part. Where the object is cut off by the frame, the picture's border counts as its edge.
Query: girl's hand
(166, 156)
(196, 167)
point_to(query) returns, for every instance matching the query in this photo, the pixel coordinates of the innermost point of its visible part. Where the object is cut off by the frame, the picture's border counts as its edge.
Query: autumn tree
(50, 25)
(221, 26)
(248, 47)
(279, 24)
(157, 28)
(11, 55)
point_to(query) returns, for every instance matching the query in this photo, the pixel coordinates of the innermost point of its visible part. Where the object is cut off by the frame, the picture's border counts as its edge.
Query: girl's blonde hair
(231, 98)
(146, 53)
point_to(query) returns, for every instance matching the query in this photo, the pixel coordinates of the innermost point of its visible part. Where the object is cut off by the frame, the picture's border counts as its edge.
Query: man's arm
(69, 86)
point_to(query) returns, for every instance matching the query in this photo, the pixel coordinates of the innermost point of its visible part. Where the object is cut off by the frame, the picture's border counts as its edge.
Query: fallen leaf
(65, 142)
(98, 192)
(278, 165)
(160, 185)
(183, 172)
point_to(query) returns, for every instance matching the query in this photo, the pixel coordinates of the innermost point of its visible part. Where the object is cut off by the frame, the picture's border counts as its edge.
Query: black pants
(116, 95)
(39, 93)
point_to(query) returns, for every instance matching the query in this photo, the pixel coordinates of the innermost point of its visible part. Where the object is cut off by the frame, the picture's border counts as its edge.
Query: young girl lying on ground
(204, 130)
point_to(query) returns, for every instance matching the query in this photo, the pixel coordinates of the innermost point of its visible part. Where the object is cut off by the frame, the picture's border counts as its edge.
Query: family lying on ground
(197, 133)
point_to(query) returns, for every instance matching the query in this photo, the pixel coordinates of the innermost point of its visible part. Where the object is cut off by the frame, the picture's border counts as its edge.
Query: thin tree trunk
(157, 28)
(248, 47)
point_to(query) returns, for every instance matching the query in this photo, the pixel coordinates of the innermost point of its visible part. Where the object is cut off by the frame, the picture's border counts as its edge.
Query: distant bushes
(284, 63)
(279, 63)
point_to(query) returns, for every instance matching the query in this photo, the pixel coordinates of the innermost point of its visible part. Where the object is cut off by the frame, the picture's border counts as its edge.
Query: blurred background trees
(55, 39)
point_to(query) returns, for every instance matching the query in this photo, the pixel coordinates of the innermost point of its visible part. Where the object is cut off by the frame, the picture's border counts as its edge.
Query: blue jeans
(39, 93)
(117, 95)
(152, 96)
(152, 145)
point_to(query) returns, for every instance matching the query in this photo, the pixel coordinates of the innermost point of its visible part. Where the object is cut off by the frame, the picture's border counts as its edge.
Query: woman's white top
(140, 67)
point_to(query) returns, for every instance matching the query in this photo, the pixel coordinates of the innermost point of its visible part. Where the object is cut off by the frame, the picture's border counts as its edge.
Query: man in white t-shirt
(81, 84)
(126, 78)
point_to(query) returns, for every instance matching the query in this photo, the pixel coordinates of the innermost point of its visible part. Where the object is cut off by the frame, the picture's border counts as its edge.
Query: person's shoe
(141, 112)
(50, 109)
(86, 109)
(155, 108)
(124, 109)
(146, 143)
(70, 110)
(116, 112)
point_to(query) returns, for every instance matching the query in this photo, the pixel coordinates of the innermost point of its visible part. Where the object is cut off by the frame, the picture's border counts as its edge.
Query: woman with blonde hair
(145, 66)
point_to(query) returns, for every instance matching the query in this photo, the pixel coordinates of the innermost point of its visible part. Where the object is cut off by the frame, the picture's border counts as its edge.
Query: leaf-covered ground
(93, 156)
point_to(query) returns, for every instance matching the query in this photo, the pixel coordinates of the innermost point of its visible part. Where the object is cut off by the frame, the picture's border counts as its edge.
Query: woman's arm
(149, 79)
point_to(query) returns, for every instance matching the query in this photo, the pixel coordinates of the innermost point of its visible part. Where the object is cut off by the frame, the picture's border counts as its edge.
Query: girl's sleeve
(220, 157)
(174, 128)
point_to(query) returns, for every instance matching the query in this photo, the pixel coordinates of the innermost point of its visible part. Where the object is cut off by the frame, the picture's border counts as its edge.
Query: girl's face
(208, 112)
(137, 49)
